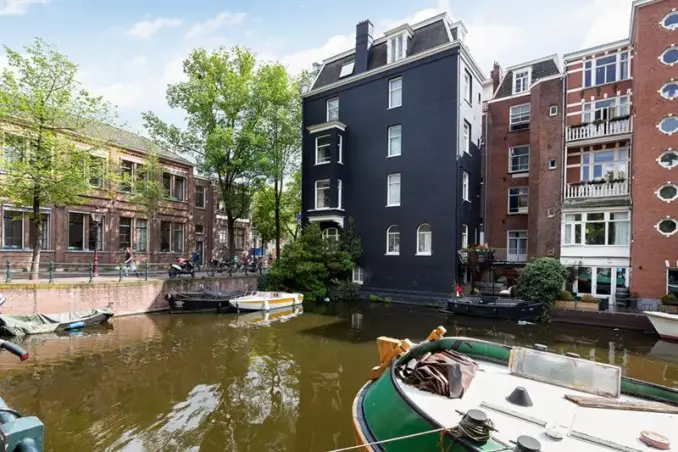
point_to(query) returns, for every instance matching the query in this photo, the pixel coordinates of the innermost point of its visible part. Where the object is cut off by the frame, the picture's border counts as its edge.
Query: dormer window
(521, 80)
(396, 48)
(347, 69)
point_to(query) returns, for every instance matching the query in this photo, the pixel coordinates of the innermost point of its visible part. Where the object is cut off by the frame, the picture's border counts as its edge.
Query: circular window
(670, 21)
(667, 227)
(669, 90)
(668, 159)
(670, 56)
(669, 125)
(667, 192)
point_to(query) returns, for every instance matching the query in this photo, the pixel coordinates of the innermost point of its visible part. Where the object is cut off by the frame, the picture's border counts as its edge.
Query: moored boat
(666, 324)
(19, 325)
(265, 301)
(266, 317)
(203, 300)
(496, 308)
(462, 394)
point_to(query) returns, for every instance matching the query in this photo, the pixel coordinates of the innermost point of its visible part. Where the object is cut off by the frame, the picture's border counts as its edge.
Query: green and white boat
(503, 398)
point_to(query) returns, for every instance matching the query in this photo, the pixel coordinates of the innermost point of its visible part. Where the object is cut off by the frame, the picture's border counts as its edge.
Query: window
(424, 236)
(670, 21)
(127, 175)
(358, 276)
(200, 196)
(340, 148)
(240, 242)
(340, 197)
(165, 235)
(76, 231)
(13, 230)
(322, 194)
(672, 281)
(95, 238)
(606, 69)
(179, 188)
(468, 95)
(668, 192)
(465, 186)
(669, 90)
(333, 109)
(396, 48)
(199, 229)
(331, 233)
(517, 246)
(552, 164)
(608, 164)
(97, 168)
(670, 56)
(521, 81)
(323, 153)
(395, 92)
(222, 237)
(141, 235)
(464, 236)
(551, 212)
(124, 233)
(467, 138)
(519, 159)
(668, 159)
(667, 227)
(178, 238)
(347, 69)
(45, 232)
(597, 228)
(519, 118)
(668, 125)
(393, 240)
(553, 110)
(167, 184)
(394, 140)
(518, 199)
(393, 190)
(606, 109)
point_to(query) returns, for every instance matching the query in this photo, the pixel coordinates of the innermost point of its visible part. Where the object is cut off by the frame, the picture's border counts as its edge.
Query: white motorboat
(265, 301)
(665, 324)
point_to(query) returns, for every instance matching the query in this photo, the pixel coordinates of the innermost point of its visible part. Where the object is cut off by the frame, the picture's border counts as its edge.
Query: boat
(496, 308)
(265, 301)
(463, 394)
(20, 325)
(666, 324)
(255, 318)
(204, 300)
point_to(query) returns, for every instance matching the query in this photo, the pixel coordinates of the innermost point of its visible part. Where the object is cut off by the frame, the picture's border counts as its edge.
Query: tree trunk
(37, 240)
(276, 212)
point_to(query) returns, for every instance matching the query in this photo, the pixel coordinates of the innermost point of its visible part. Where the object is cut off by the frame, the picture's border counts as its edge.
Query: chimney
(363, 42)
(496, 75)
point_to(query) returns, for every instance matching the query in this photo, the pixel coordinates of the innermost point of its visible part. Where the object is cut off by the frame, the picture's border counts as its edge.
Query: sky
(129, 51)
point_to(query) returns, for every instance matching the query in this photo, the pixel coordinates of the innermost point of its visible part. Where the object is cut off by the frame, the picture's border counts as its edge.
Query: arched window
(670, 56)
(424, 236)
(393, 240)
(668, 125)
(668, 192)
(669, 90)
(670, 21)
(668, 159)
(667, 227)
(331, 233)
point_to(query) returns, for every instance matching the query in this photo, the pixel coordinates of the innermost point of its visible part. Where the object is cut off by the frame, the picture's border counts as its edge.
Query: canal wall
(124, 298)
(622, 320)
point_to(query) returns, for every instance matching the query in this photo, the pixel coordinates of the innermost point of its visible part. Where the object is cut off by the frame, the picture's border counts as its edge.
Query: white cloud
(18, 7)
(216, 23)
(147, 28)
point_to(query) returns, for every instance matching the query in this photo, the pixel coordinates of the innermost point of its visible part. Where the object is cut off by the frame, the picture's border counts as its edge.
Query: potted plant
(588, 303)
(669, 303)
(565, 300)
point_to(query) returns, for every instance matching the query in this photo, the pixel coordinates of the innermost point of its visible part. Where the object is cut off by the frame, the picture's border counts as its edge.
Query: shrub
(542, 280)
(669, 298)
(345, 291)
(565, 295)
(588, 298)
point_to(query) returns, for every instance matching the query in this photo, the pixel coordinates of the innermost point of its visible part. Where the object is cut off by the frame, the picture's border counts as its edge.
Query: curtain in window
(622, 233)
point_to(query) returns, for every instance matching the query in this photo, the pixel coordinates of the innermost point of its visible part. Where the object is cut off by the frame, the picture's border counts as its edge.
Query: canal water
(225, 383)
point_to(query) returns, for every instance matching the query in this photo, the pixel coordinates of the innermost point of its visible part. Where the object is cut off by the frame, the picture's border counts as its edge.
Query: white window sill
(391, 254)
(394, 155)
(579, 245)
(392, 205)
(517, 213)
(325, 209)
(323, 163)
(466, 199)
(422, 254)
(358, 282)
(394, 107)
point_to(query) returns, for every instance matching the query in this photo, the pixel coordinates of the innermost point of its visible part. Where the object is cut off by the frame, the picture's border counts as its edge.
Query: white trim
(315, 193)
(659, 159)
(508, 247)
(528, 80)
(388, 234)
(464, 236)
(510, 159)
(391, 90)
(465, 186)
(334, 218)
(670, 82)
(397, 31)
(555, 164)
(360, 273)
(430, 240)
(390, 138)
(328, 145)
(662, 23)
(23, 229)
(326, 233)
(508, 200)
(174, 172)
(340, 197)
(347, 69)
(511, 97)
(553, 57)
(574, 57)
(669, 116)
(340, 148)
(668, 184)
(327, 108)
(663, 220)
(553, 110)
(667, 50)
(388, 189)
(467, 138)
(327, 126)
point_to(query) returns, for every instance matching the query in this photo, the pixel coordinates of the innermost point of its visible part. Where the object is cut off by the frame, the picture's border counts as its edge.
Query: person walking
(129, 261)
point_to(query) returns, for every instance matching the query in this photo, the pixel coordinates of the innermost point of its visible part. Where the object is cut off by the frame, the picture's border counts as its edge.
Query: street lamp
(97, 215)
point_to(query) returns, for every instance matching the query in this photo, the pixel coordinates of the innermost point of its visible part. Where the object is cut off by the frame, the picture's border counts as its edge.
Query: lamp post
(96, 216)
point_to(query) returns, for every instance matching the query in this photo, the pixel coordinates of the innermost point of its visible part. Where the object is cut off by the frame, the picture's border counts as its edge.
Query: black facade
(430, 167)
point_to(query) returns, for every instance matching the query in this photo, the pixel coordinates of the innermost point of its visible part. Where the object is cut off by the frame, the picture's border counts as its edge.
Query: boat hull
(665, 324)
(49, 323)
(254, 303)
(203, 301)
(525, 311)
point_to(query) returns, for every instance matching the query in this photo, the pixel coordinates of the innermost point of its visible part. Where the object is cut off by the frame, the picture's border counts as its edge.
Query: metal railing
(492, 255)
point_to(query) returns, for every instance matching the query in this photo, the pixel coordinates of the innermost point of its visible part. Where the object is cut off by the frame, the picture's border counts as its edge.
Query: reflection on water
(251, 382)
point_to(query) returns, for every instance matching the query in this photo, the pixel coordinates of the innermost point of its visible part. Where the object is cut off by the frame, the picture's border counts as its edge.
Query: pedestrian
(129, 262)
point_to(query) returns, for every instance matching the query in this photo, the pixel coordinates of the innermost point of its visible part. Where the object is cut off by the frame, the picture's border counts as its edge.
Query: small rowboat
(493, 397)
(265, 301)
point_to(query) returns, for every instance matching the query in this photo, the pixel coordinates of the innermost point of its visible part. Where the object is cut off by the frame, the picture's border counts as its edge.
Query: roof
(540, 69)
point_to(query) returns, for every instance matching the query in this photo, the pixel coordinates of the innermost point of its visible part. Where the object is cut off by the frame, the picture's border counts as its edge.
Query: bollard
(51, 271)
(146, 273)
(120, 273)
(8, 277)
(91, 272)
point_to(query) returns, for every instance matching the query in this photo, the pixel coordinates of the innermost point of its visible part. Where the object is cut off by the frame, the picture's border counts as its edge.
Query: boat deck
(607, 429)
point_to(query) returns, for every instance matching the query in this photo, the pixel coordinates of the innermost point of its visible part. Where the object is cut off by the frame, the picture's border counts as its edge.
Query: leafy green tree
(263, 210)
(263, 216)
(223, 100)
(41, 99)
(350, 241)
(542, 280)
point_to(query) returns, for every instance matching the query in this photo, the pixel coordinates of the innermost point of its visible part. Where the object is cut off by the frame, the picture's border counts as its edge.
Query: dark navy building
(391, 138)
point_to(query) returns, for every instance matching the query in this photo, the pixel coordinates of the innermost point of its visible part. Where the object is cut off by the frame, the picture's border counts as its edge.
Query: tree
(263, 217)
(41, 98)
(263, 210)
(223, 100)
(147, 190)
(542, 280)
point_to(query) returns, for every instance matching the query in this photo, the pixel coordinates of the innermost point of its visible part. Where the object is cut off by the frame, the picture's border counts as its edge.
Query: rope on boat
(390, 440)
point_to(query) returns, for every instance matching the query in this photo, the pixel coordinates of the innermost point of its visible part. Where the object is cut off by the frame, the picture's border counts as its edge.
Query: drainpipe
(486, 179)
(563, 172)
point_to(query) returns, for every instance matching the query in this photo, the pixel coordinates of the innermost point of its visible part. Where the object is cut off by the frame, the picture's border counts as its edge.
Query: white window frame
(68, 231)
(390, 232)
(395, 85)
(518, 116)
(332, 109)
(517, 236)
(23, 228)
(464, 236)
(553, 110)
(673, 26)
(468, 87)
(395, 132)
(396, 48)
(668, 279)
(664, 53)
(358, 275)
(614, 106)
(513, 158)
(390, 180)
(347, 69)
(427, 237)
(658, 192)
(620, 164)
(467, 138)
(133, 234)
(673, 164)
(315, 191)
(522, 80)
(514, 192)
(674, 119)
(575, 223)
(465, 183)
(331, 233)
(324, 147)
(340, 148)
(621, 64)
(664, 233)
(551, 212)
(662, 90)
(340, 195)
(553, 163)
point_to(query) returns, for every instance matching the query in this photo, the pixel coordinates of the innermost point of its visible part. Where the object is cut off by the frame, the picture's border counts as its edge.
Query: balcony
(599, 130)
(492, 256)
(597, 190)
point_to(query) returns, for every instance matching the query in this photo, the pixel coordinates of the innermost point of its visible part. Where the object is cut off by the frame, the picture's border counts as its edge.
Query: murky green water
(217, 383)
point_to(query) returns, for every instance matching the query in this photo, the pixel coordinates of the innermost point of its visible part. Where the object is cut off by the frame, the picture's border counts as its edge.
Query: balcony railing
(489, 256)
(601, 129)
(597, 190)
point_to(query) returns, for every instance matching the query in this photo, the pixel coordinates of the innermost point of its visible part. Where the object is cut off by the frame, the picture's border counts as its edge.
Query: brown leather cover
(446, 373)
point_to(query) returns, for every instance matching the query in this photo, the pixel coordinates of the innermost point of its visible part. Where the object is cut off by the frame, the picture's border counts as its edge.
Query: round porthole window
(668, 192)
(670, 21)
(668, 125)
(669, 90)
(668, 159)
(670, 56)
(667, 227)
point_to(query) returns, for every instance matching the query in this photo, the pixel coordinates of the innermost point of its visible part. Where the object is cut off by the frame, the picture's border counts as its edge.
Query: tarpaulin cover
(19, 325)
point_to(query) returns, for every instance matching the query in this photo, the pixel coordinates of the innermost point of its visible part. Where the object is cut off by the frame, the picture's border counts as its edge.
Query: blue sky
(129, 53)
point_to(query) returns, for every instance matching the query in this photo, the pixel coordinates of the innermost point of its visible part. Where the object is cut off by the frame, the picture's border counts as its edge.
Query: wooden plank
(616, 404)
(402, 347)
